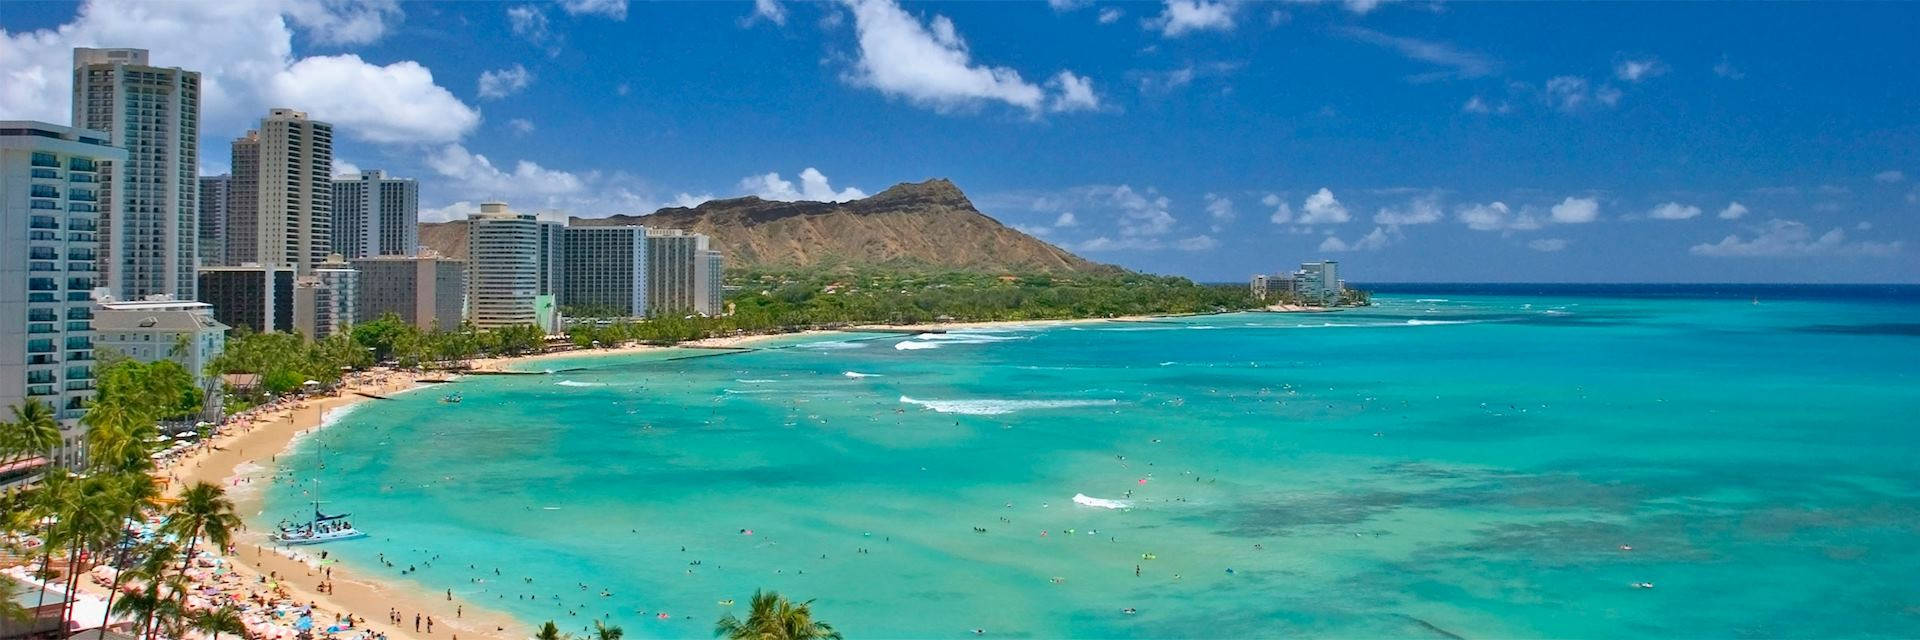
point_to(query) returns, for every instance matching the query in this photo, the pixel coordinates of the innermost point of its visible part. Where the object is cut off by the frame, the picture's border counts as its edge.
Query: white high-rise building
(375, 215)
(503, 266)
(325, 301)
(50, 205)
(708, 287)
(282, 189)
(552, 259)
(151, 235)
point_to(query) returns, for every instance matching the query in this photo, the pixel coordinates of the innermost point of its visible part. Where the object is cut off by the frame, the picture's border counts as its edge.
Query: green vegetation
(795, 300)
(772, 617)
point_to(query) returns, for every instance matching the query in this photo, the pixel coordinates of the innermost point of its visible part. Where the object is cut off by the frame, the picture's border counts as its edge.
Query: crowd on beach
(269, 604)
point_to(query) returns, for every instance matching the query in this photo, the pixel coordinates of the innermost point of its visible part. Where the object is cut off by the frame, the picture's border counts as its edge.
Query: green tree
(203, 510)
(32, 432)
(772, 617)
(551, 631)
(214, 622)
(603, 632)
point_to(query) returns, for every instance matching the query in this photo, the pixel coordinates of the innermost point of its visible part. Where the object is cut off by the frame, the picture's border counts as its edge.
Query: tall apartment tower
(50, 186)
(213, 219)
(673, 258)
(606, 268)
(503, 266)
(708, 287)
(326, 300)
(243, 202)
(552, 258)
(375, 215)
(152, 231)
(283, 192)
(260, 298)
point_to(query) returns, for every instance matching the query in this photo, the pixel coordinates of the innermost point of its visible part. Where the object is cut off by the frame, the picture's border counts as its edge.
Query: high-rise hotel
(50, 207)
(503, 266)
(281, 211)
(150, 222)
(375, 215)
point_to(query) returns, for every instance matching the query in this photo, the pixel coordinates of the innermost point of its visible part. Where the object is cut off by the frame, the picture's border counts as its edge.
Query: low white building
(154, 330)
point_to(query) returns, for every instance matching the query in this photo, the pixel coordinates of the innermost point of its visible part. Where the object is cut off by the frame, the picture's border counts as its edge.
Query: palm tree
(49, 501)
(217, 621)
(603, 632)
(132, 494)
(203, 511)
(33, 431)
(775, 618)
(153, 568)
(551, 631)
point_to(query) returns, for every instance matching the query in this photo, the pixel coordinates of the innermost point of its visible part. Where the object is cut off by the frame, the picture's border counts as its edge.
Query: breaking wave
(999, 407)
(576, 383)
(1081, 498)
(915, 345)
(857, 375)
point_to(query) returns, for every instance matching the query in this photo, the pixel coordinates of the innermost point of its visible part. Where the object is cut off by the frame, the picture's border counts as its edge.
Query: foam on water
(914, 345)
(996, 407)
(1084, 499)
(857, 375)
(577, 383)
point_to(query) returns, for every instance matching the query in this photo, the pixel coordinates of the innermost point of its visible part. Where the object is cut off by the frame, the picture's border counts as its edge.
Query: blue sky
(1412, 141)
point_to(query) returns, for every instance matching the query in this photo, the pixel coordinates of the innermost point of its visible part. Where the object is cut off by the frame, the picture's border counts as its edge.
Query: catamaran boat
(323, 528)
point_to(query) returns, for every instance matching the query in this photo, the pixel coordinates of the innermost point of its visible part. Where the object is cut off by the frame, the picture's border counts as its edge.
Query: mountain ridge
(929, 224)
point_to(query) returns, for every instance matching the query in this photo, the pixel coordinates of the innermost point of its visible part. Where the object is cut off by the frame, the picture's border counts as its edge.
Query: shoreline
(227, 463)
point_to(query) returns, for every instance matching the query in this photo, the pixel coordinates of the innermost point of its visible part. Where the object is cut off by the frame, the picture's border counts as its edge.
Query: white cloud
(1477, 104)
(1181, 17)
(1196, 243)
(813, 186)
(530, 22)
(1282, 212)
(1162, 82)
(1424, 210)
(474, 174)
(690, 201)
(1322, 208)
(1725, 69)
(1575, 211)
(342, 168)
(1673, 211)
(1110, 15)
(1075, 93)
(244, 52)
(1066, 219)
(769, 10)
(1636, 70)
(455, 211)
(396, 103)
(930, 65)
(1863, 226)
(1107, 243)
(1371, 242)
(1889, 176)
(521, 126)
(1573, 93)
(1495, 216)
(616, 9)
(1068, 5)
(1733, 211)
(345, 22)
(1791, 239)
(500, 83)
(1220, 209)
(1548, 245)
(1142, 214)
(1031, 230)
(1461, 64)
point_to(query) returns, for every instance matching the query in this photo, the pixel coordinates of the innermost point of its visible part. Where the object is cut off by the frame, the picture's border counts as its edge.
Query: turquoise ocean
(1454, 461)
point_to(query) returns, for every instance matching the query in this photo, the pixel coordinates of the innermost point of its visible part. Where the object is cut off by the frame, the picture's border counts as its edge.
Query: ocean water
(1464, 461)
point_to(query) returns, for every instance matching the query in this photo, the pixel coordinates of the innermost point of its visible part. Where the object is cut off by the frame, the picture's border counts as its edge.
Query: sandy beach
(247, 454)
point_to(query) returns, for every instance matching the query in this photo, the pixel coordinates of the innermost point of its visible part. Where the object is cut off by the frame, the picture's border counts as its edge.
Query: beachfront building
(214, 193)
(325, 301)
(606, 269)
(552, 259)
(281, 210)
(709, 283)
(375, 215)
(150, 222)
(673, 273)
(257, 297)
(1259, 287)
(426, 291)
(183, 331)
(1319, 282)
(503, 263)
(49, 255)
